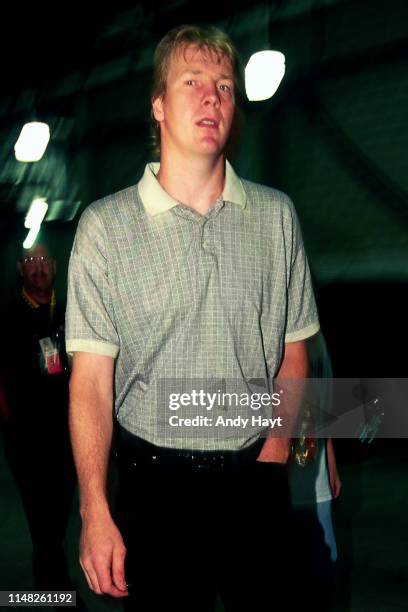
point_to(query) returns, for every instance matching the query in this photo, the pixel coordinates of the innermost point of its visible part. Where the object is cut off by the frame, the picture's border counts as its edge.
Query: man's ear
(19, 268)
(157, 108)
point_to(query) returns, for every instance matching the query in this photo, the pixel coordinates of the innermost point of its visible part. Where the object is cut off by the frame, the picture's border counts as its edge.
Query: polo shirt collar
(156, 200)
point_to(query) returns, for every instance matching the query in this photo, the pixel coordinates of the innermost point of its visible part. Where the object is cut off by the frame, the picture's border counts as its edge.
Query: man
(37, 445)
(191, 275)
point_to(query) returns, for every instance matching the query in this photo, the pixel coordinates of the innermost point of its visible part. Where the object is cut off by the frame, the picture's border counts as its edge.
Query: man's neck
(197, 183)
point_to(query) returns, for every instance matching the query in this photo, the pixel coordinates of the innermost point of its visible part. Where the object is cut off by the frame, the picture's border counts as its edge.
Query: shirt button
(205, 244)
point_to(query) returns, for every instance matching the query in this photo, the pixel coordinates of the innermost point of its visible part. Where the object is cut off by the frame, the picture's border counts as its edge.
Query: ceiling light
(31, 236)
(36, 213)
(263, 74)
(32, 142)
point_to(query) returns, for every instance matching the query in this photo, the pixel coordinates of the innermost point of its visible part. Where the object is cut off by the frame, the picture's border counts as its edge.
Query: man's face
(196, 111)
(37, 270)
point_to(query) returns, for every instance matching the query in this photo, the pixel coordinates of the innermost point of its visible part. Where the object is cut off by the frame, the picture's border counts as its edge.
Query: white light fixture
(263, 74)
(31, 236)
(32, 142)
(36, 213)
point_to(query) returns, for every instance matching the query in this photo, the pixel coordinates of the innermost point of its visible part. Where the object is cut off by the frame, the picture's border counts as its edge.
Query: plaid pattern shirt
(177, 296)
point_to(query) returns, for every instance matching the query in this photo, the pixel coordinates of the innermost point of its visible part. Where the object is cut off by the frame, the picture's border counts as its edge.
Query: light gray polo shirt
(176, 296)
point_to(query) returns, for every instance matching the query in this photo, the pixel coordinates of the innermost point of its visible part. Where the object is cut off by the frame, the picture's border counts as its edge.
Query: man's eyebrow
(197, 71)
(191, 71)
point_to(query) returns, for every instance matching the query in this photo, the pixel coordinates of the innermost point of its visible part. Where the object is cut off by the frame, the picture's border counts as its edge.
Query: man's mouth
(211, 123)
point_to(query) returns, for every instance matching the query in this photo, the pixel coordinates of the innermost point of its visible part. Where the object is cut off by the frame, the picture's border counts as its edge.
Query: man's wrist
(275, 450)
(95, 507)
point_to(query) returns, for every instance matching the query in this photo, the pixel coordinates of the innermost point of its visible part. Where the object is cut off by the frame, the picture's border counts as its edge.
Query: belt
(139, 452)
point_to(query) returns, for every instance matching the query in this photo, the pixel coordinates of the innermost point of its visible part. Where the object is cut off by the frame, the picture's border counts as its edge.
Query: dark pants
(195, 528)
(315, 569)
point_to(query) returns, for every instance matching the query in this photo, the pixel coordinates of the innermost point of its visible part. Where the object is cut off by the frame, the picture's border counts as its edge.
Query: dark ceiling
(44, 41)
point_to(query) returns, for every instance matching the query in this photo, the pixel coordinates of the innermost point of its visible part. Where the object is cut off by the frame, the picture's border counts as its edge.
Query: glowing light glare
(32, 142)
(31, 236)
(263, 74)
(36, 213)
(34, 218)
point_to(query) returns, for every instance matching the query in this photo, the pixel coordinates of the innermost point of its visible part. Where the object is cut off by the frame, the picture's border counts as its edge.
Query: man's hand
(275, 450)
(335, 482)
(102, 556)
(334, 478)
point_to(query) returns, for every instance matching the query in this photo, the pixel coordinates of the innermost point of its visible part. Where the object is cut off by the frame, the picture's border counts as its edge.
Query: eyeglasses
(37, 259)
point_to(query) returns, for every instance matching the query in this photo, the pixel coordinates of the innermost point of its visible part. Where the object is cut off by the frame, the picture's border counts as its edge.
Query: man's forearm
(290, 380)
(102, 550)
(91, 426)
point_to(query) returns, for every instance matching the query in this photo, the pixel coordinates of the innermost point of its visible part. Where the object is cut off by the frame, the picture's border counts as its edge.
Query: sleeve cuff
(302, 334)
(92, 346)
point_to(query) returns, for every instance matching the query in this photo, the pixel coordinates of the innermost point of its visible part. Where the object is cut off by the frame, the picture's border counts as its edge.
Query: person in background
(34, 376)
(314, 484)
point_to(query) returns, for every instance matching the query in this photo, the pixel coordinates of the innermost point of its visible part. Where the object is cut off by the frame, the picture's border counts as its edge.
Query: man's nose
(211, 94)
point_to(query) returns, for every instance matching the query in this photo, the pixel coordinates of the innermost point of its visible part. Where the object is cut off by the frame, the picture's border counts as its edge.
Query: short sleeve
(302, 317)
(90, 321)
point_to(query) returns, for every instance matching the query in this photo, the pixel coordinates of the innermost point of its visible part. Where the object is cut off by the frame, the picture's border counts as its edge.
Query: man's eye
(225, 87)
(190, 82)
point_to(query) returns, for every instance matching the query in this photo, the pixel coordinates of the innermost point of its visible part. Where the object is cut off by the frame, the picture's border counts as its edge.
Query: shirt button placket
(203, 240)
